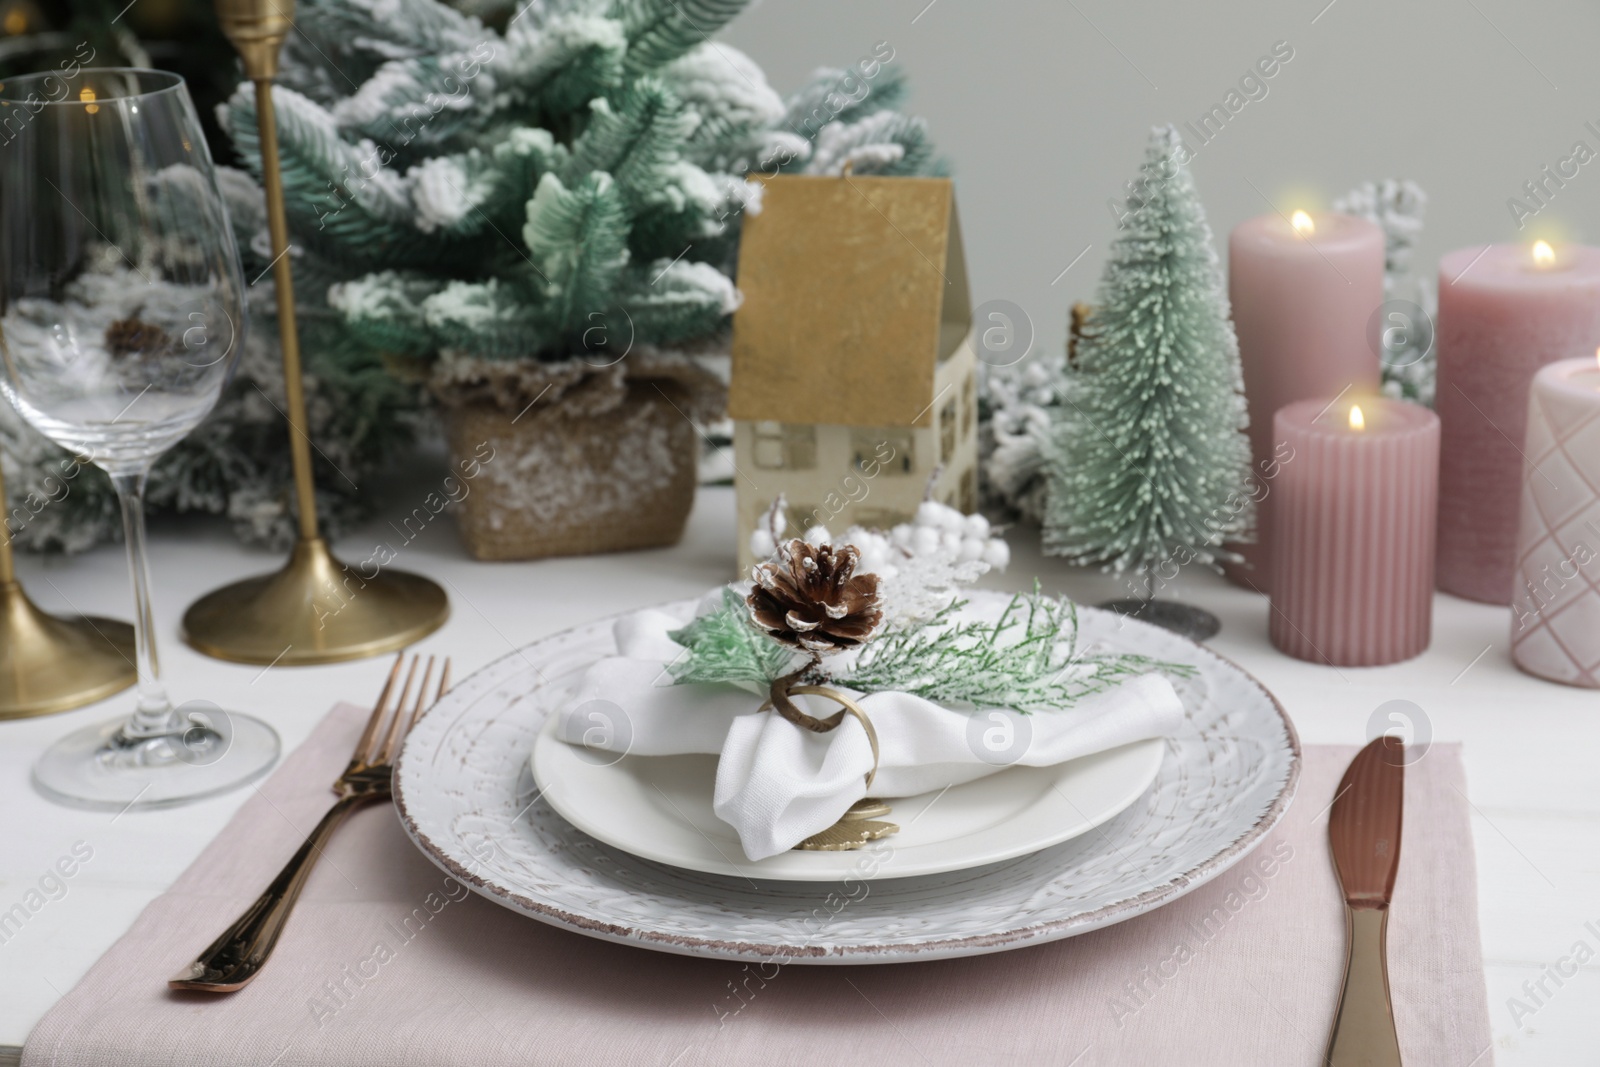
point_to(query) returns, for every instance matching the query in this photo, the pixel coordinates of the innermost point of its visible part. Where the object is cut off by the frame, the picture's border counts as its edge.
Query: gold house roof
(855, 288)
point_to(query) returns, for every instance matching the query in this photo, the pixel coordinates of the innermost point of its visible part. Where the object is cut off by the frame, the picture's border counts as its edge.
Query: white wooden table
(1532, 748)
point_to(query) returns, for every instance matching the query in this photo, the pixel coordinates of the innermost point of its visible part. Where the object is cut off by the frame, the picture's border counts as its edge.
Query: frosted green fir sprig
(1029, 659)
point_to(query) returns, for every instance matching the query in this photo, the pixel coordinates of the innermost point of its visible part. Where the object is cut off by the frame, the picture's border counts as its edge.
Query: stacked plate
(628, 849)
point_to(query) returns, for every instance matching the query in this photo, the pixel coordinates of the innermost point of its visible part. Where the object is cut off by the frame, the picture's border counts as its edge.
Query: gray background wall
(1043, 109)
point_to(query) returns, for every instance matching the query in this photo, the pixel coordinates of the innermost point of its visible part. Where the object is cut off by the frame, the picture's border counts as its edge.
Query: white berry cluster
(941, 529)
(918, 563)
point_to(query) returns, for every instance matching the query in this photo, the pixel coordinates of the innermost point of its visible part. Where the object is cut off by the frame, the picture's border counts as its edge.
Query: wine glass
(121, 320)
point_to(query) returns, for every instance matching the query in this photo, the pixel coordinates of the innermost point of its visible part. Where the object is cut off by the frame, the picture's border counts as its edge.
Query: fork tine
(382, 745)
(403, 720)
(376, 717)
(444, 687)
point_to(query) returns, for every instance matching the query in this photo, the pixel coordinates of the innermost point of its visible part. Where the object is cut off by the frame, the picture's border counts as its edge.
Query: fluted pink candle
(1555, 613)
(1303, 291)
(1353, 531)
(1504, 312)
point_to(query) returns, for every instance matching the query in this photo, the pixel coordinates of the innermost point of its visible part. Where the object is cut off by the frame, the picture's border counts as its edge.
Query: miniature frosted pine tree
(1149, 463)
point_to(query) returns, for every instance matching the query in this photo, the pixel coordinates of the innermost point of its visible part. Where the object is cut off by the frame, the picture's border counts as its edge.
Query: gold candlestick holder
(316, 609)
(50, 664)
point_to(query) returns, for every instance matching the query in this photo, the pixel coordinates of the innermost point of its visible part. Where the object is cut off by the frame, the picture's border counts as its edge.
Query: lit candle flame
(1358, 421)
(87, 96)
(1303, 224)
(1543, 254)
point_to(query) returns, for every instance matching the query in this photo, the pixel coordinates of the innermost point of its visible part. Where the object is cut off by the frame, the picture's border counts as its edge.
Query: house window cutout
(785, 446)
(968, 404)
(947, 431)
(801, 518)
(878, 450)
(969, 490)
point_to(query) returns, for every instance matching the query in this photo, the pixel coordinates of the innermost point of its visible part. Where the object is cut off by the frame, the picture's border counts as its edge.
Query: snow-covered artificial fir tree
(554, 193)
(1148, 461)
(1406, 338)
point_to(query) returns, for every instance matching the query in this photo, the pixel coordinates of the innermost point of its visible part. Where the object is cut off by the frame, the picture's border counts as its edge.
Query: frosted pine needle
(1028, 660)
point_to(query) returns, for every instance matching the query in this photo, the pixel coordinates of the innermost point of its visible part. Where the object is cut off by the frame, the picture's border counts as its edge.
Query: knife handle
(1363, 1028)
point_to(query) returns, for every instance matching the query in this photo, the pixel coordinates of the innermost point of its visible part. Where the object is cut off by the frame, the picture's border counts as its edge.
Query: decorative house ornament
(854, 379)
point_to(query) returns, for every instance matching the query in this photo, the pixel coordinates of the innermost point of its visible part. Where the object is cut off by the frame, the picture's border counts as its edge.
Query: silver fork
(236, 957)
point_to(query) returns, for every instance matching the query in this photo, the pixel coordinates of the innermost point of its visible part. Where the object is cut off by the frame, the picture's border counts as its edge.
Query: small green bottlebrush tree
(550, 194)
(1149, 463)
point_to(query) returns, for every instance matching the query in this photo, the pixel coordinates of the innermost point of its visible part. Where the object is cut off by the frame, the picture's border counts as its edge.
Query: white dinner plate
(465, 793)
(659, 808)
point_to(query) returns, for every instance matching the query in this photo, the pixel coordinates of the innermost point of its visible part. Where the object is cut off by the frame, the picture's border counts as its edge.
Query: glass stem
(154, 714)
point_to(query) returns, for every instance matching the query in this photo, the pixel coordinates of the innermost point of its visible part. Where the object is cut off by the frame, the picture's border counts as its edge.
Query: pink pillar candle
(1503, 314)
(1353, 530)
(1555, 612)
(1302, 298)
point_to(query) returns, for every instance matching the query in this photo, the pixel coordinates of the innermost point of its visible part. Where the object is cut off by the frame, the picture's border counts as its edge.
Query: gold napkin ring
(859, 824)
(856, 712)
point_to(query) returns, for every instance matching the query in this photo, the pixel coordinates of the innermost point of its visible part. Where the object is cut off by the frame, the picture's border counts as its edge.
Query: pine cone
(811, 598)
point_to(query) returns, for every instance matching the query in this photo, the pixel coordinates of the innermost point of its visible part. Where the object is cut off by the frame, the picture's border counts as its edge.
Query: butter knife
(1364, 836)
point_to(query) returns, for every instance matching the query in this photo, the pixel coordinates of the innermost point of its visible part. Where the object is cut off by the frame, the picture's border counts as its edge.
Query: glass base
(100, 767)
(1197, 624)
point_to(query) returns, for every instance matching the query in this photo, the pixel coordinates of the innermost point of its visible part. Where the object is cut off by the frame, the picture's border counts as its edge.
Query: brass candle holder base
(49, 664)
(314, 610)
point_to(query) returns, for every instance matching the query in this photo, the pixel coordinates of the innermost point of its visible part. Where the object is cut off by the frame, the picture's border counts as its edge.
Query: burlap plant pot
(572, 459)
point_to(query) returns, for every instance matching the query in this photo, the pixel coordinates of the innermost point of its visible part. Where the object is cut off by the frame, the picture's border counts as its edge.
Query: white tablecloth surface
(1530, 746)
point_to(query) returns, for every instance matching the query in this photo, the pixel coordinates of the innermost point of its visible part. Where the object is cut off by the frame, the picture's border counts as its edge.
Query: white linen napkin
(778, 783)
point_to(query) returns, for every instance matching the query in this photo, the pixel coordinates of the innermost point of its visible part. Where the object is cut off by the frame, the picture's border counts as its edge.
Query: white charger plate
(465, 794)
(659, 808)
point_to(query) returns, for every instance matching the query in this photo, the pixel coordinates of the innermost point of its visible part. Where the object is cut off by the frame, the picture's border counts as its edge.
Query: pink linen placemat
(389, 962)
